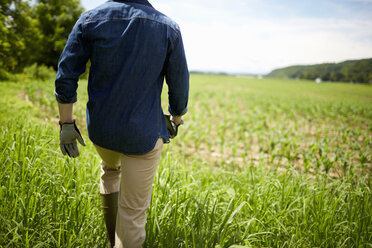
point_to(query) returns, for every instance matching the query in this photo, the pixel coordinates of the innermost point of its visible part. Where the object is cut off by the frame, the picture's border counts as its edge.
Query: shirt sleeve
(72, 64)
(177, 77)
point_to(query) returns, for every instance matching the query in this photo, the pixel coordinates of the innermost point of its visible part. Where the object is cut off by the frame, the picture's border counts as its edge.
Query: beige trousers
(132, 176)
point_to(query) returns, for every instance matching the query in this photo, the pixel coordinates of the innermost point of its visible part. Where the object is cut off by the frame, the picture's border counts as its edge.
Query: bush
(4, 75)
(41, 72)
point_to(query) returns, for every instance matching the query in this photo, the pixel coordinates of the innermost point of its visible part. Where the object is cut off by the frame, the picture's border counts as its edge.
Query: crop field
(258, 163)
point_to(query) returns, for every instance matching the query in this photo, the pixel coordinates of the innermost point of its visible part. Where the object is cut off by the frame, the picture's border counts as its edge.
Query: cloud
(362, 1)
(258, 46)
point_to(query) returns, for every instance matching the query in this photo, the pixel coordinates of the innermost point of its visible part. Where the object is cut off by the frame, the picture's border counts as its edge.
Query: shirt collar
(144, 2)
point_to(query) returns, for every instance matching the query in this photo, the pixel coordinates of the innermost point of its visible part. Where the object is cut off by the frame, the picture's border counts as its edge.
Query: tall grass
(258, 163)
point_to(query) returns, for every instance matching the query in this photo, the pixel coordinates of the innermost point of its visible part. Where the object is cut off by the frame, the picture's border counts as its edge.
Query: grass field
(258, 163)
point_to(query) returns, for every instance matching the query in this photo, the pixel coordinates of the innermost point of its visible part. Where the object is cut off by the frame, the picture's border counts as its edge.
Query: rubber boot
(110, 209)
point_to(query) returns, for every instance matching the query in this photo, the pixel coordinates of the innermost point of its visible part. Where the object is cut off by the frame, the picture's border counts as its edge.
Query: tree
(358, 71)
(34, 32)
(56, 19)
(18, 34)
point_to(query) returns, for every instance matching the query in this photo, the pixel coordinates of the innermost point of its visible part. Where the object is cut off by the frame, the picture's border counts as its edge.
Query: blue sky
(257, 36)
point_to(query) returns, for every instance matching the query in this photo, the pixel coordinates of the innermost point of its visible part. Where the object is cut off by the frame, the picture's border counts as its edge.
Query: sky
(257, 36)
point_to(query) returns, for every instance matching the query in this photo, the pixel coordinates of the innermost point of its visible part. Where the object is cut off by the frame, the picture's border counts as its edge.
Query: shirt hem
(165, 141)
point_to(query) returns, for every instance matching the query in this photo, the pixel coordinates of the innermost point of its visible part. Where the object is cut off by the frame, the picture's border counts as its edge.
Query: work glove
(171, 126)
(67, 139)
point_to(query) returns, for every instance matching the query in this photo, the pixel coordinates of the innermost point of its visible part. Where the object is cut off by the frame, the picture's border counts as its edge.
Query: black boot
(110, 209)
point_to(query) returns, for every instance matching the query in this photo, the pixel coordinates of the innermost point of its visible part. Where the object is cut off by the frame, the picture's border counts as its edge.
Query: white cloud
(363, 1)
(90, 4)
(258, 46)
(242, 39)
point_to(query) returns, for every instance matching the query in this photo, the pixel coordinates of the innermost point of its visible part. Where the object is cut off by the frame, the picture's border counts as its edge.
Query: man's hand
(176, 119)
(172, 125)
(67, 139)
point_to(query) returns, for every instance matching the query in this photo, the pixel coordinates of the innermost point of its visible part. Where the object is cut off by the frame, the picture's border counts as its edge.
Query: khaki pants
(132, 176)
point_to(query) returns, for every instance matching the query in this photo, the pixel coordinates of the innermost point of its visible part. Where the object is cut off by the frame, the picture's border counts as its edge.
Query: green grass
(258, 163)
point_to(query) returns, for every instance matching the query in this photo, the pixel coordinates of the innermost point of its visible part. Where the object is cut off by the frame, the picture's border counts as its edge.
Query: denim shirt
(132, 48)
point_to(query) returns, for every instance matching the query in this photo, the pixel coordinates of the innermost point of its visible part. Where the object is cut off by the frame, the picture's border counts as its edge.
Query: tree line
(355, 71)
(34, 32)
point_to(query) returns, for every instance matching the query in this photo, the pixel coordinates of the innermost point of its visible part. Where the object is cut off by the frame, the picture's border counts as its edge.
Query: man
(131, 47)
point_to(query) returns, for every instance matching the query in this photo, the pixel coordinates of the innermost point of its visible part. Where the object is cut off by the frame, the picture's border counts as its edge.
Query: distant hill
(357, 71)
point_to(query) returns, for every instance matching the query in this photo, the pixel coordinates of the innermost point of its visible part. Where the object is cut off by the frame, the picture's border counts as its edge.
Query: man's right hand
(173, 123)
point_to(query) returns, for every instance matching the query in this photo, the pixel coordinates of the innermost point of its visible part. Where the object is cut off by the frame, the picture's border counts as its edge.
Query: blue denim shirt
(132, 47)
